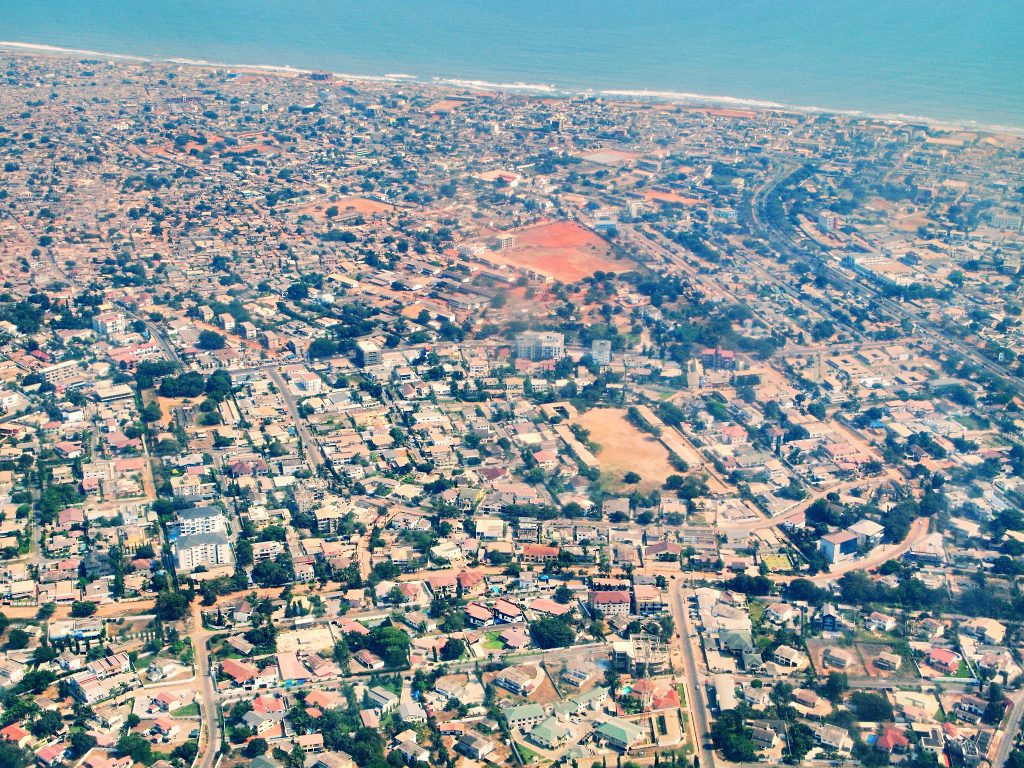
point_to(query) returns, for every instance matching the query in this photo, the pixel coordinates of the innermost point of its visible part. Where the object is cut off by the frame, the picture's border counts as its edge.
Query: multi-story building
(205, 549)
(200, 520)
(612, 602)
(540, 345)
(109, 323)
(369, 354)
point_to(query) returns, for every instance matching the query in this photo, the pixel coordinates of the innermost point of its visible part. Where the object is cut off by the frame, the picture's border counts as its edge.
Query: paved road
(784, 243)
(696, 701)
(309, 445)
(207, 696)
(1009, 733)
(918, 531)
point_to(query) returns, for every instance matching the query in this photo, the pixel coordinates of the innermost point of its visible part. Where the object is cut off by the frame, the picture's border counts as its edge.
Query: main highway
(784, 243)
(696, 700)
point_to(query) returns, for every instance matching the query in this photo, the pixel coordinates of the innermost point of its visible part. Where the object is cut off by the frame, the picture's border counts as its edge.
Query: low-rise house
(832, 738)
(836, 658)
(525, 716)
(368, 659)
(785, 656)
(945, 660)
(880, 622)
(892, 740)
(478, 615)
(620, 734)
(550, 734)
(382, 699)
(888, 661)
(474, 745)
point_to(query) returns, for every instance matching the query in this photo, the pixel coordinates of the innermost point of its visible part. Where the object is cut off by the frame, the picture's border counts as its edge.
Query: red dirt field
(360, 205)
(671, 197)
(564, 251)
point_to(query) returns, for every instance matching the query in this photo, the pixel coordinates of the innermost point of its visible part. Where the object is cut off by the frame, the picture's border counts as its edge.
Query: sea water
(946, 60)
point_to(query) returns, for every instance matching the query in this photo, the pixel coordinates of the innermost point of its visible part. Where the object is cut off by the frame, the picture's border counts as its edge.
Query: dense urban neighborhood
(378, 424)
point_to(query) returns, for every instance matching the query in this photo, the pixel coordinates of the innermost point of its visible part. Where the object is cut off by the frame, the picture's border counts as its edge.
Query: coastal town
(372, 424)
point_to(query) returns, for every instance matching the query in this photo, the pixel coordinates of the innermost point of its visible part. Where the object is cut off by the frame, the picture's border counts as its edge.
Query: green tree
(17, 639)
(13, 756)
(391, 644)
(871, 707)
(81, 742)
(552, 633)
(136, 747)
(255, 748)
(731, 735)
(83, 608)
(211, 340)
(47, 724)
(835, 686)
(453, 649)
(171, 606)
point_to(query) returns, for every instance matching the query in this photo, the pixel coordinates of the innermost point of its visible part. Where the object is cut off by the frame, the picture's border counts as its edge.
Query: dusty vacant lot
(624, 448)
(562, 250)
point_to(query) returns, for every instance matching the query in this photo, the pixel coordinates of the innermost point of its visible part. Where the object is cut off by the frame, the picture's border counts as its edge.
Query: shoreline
(538, 89)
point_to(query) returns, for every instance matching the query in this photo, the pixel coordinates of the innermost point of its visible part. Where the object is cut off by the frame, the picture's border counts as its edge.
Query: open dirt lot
(816, 649)
(562, 250)
(624, 448)
(870, 651)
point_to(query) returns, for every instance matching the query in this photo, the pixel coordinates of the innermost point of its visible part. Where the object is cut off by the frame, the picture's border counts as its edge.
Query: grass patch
(778, 563)
(526, 753)
(143, 662)
(757, 610)
(189, 710)
(493, 643)
(963, 670)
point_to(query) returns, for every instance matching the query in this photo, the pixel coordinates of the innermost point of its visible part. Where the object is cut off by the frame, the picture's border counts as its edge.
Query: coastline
(538, 89)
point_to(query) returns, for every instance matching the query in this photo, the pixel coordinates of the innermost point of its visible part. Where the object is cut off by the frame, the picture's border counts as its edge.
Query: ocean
(943, 60)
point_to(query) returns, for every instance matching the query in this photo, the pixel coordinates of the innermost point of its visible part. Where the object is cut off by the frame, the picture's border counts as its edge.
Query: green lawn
(493, 643)
(778, 563)
(526, 753)
(190, 710)
(142, 662)
(757, 610)
(963, 670)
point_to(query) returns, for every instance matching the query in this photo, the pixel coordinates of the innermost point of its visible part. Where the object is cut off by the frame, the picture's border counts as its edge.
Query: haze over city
(490, 397)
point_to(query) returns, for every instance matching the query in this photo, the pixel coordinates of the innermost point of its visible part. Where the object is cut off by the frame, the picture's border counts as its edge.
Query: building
(199, 520)
(474, 745)
(620, 734)
(785, 656)
(504, 241)
(838, 546)
(612, 602)
(525, 716)
(540, 345)
(640, 655)
(550, 734)
(382, 699)
(832, 738)
(109, 323)
(868, 533)
(521, 680)
(601, 351)
(828, 221)
(368, 354)
(725, 692)
(329, 518)
(204, 549)
(648, 599)
(888, 661)
(835, 658)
